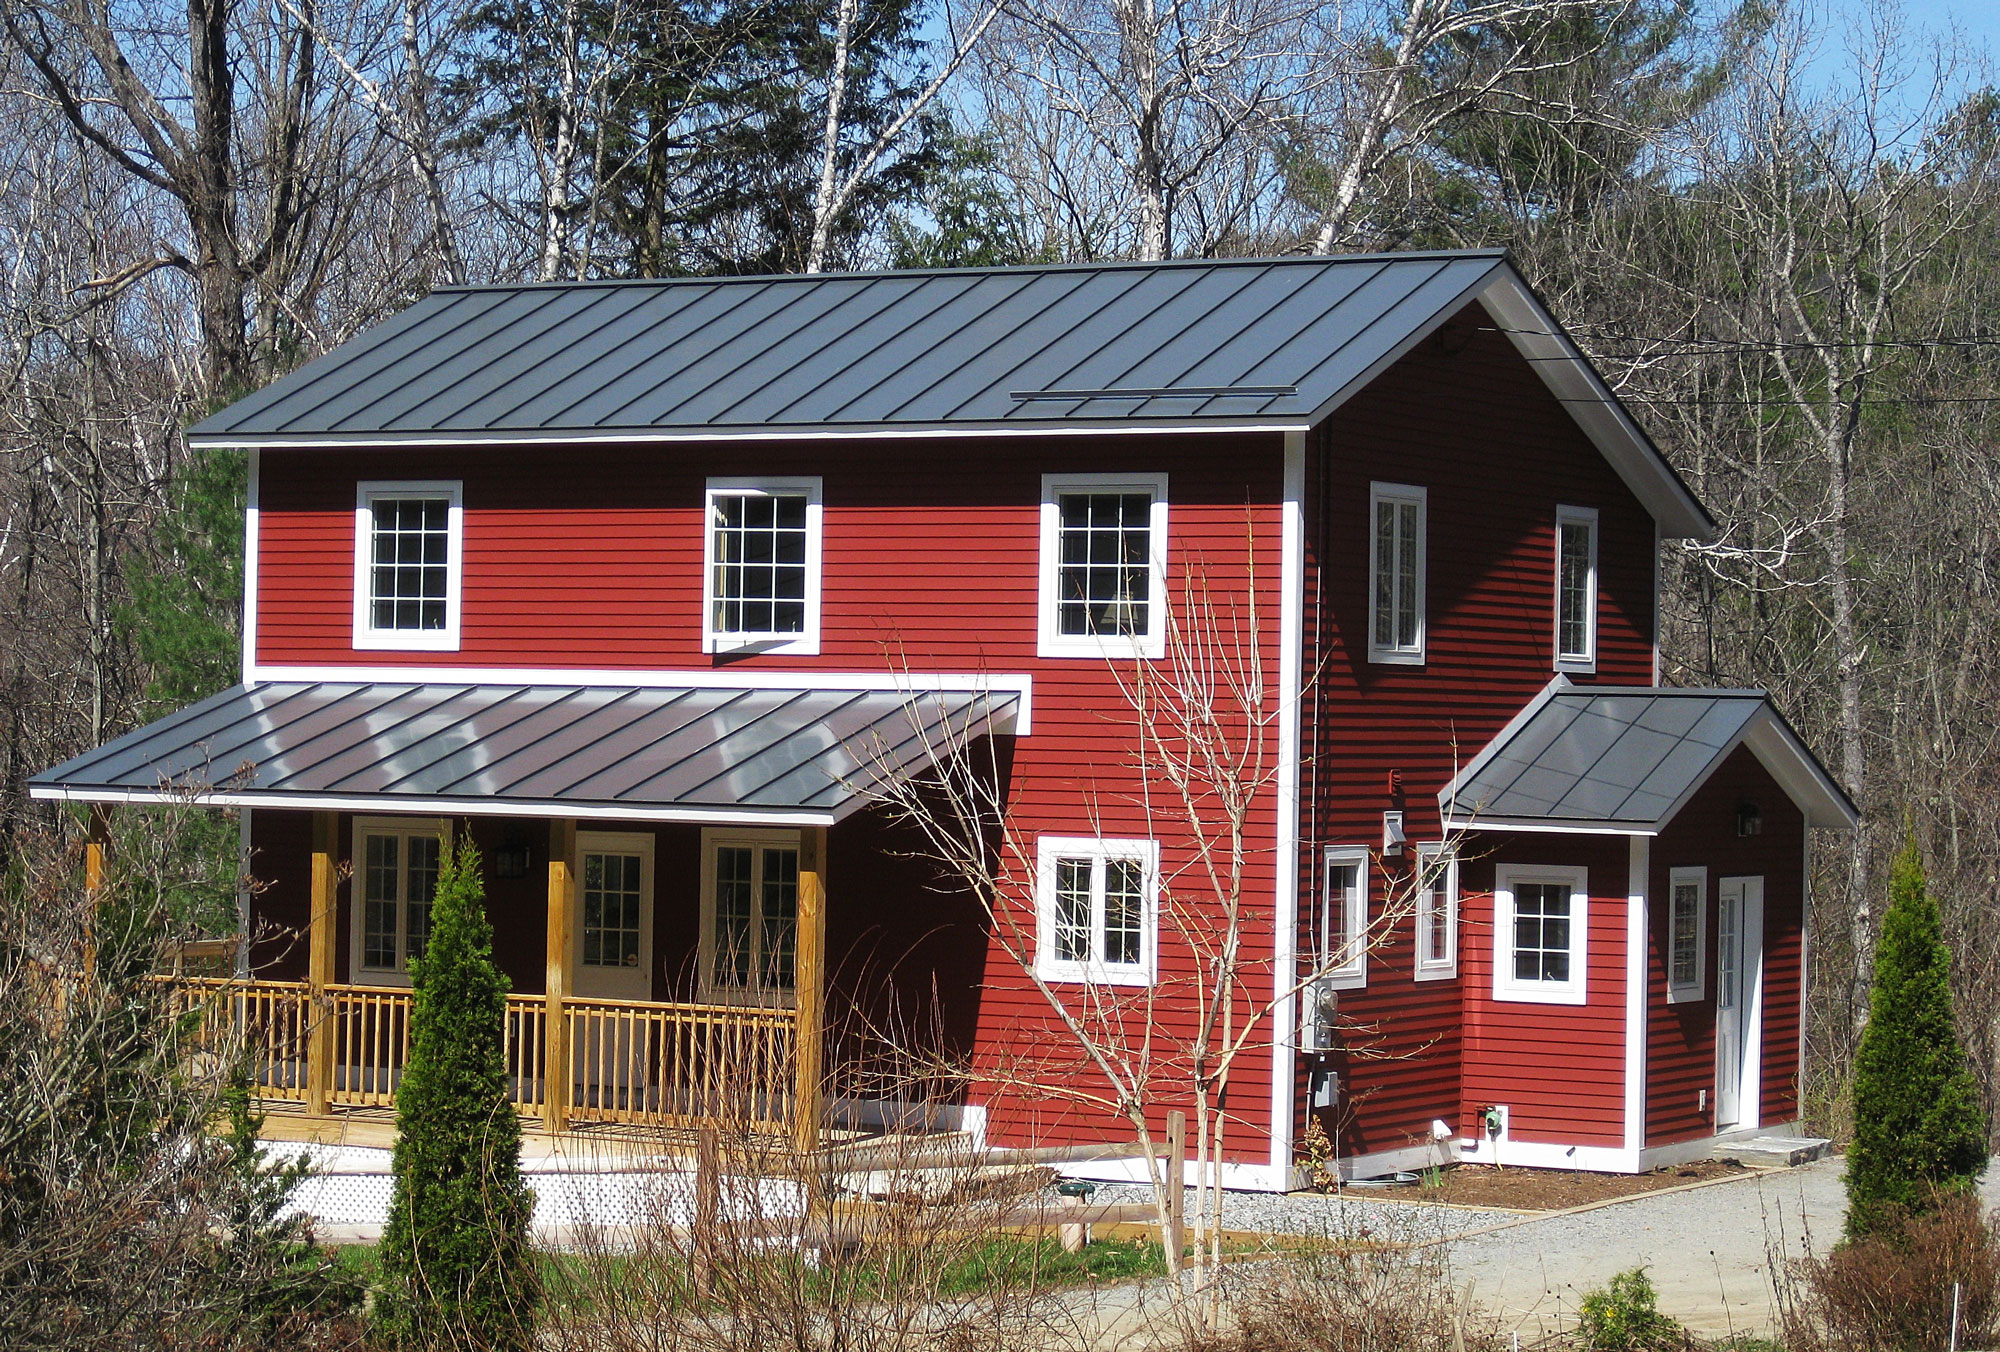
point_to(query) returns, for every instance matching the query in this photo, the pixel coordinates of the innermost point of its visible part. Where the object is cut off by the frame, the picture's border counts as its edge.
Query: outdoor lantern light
(513, 859)
(1749, 822)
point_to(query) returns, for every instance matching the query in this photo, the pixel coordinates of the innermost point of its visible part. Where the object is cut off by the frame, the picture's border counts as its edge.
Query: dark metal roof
(1627, 758)
(673, 753)
(1211, 341)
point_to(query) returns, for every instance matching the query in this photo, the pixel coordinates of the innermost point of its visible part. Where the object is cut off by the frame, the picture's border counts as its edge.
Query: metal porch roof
(1626, 758)
(625, 752)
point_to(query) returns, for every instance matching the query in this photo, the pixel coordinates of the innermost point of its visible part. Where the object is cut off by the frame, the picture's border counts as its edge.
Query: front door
(614, 916)
(1738, 918)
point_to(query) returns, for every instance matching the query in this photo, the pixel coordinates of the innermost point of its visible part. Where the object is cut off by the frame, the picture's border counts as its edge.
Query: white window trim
(712, 836)
(366, 494)
(1437, 884)
(1586, 662)
(1506, 879)
(1051, 641)
(1095, 972)
(1350, 973)
(357, 919)
(803, 644)
(638, 843)
(1687, 993)
(1412, 655)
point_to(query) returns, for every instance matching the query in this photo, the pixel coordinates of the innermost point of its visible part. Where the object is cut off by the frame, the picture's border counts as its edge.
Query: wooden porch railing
(630, 1061)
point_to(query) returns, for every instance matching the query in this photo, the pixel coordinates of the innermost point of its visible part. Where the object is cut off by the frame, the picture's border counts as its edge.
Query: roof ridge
(1102, 265)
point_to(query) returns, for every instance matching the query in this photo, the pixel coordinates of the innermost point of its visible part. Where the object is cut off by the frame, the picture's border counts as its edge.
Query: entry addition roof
(1626, 758)
(625, 752)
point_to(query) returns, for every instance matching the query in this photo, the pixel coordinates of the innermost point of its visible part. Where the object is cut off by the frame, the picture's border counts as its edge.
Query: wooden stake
(561, 975)
(1176, 1177)
(809, 980)
(320, 1042)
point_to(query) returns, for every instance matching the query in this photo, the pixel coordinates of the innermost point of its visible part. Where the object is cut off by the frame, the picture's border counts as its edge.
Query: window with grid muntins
(1398, 604)
(780, 918)
(1574, 590)
(1686, 925)
(611, 899)
(1542, 932)
(1072, 929)
(1124, 911)
(760, 563)
(410, 569)
(398, 882)
(1104, 579)
(756, 936)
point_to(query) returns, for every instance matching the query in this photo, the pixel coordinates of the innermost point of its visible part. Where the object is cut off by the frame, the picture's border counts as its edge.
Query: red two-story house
(655, 588)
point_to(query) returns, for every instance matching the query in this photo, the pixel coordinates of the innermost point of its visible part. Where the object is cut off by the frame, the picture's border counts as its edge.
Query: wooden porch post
(809, 979)
(561, 975)
(96, 844)
(319, 963)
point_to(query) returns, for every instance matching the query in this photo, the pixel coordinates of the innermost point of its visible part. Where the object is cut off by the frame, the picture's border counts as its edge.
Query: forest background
(1773, 226)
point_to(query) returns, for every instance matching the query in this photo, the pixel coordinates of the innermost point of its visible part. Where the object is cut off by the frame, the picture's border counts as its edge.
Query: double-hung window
(1103, 565)
(1687, 932)
(1396, 574)
(1437, 912)
(1576, 589)
(750, 912)
(1343, 919)
(1541, 934)
(395, 878)
(762, 566)
(1097, 904)
(408, 568)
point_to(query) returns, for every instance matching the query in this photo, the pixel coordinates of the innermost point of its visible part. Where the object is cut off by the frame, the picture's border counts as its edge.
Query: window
(750, 905)
(1343, 919)
(1098, 903)
(1396, 574)
(1576, 589)
(408, 540)
(395, 878)
(762, 566)
(1437, 912)
(1103, 565)
(1687, 929)
(1540, 934)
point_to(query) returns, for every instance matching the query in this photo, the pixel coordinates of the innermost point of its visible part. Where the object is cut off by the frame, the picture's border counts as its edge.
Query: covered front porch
(656, 863)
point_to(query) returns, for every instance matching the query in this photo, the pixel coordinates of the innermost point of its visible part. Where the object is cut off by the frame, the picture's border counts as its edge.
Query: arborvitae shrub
(456, 1267)
(1919, 1132)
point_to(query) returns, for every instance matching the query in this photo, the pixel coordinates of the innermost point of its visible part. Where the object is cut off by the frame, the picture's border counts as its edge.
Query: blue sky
(1978, 20)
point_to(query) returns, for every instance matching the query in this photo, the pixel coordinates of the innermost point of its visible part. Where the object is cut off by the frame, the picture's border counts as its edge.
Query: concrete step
(1774, 1152)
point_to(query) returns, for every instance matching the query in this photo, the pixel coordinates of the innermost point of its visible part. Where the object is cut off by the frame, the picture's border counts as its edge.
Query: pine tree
(1918, 1127)
(455, 1260)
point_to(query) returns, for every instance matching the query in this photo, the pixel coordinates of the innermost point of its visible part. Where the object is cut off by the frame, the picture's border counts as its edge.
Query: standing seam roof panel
(414, 366)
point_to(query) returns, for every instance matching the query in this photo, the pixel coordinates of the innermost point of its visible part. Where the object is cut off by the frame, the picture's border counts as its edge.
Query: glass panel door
(1729, 1005)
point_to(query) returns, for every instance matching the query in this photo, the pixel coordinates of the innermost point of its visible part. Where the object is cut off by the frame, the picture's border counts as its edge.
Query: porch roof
(631, 752)
(1626, 759)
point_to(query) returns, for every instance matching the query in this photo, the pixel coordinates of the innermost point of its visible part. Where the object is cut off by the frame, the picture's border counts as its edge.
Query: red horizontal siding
(1680, 1043)
(1467, 418)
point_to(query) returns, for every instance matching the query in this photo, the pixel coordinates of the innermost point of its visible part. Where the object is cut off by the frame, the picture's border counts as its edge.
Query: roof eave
(454, 806)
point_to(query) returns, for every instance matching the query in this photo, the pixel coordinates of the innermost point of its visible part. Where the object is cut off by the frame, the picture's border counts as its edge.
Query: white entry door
(614, 916)
(1739, 923)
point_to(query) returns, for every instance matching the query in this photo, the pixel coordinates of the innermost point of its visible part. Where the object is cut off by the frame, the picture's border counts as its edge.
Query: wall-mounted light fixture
(1749, 821)
(514, 858)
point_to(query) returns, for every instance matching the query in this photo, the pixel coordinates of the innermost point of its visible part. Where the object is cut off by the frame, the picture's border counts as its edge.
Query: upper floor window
(762, 567)
(1396, 574)
(1103, 565)
(395, 878)
(1343, 919)
(1097, 904)
(1687, 925)
(1576, 589)
(1541, 931)
(1437, 912)
(408, 544)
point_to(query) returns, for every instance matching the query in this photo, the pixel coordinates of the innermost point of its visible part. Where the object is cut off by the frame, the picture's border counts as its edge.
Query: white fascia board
(1472, 821)
(1291, 665)
(453, 807)
(232, 441)
(252, 516)
(1018, 684)
(1570, 376)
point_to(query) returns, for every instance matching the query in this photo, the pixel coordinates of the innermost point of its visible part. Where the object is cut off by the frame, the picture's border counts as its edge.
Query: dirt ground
(1486, 1185)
